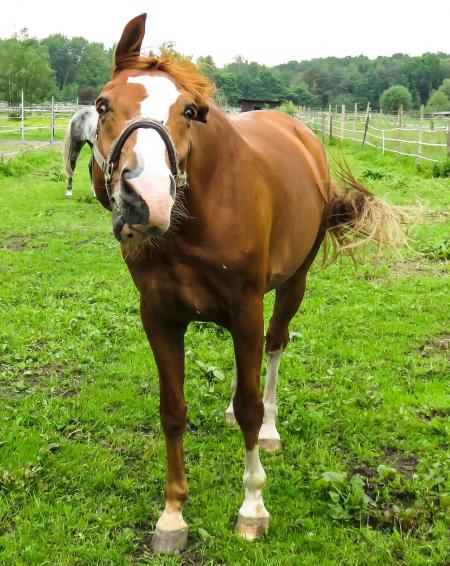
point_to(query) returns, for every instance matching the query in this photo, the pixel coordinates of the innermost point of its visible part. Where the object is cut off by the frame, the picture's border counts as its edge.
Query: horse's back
(294, 170)
(278, 137)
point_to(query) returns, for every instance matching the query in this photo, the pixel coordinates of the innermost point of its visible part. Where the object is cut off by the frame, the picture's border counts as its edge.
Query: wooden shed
(248, 104)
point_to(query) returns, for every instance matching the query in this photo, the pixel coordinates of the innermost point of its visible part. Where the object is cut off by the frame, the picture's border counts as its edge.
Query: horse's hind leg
(69, 187)
(287, 302)
(229, 412)
(288, 298)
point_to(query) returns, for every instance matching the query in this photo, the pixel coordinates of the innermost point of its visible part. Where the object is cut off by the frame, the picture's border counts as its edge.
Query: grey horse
(81, 130)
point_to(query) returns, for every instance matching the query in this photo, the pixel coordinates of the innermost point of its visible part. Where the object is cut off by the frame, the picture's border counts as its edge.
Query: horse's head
(145, 112)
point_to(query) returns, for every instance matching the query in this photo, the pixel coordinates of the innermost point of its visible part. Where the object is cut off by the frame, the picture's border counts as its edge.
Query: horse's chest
(187, 293)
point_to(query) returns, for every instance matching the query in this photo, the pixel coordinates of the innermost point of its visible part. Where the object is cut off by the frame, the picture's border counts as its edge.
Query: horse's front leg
(167, 342)
(248, 333)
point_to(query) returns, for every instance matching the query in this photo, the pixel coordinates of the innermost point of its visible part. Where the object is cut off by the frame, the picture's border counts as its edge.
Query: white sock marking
(254, 480)
(268, 428)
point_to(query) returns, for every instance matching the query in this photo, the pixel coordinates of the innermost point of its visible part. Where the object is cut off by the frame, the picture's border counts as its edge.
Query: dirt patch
(405, 465)
(407, 267)
(20, 243)
(440, 344)
(34, 376)
(430, 413)
(15, 243)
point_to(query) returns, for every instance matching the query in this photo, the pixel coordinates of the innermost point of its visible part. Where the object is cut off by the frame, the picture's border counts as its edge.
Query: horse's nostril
(130, 235)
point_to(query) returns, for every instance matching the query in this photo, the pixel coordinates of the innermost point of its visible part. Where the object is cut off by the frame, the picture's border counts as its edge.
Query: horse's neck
(213, 146)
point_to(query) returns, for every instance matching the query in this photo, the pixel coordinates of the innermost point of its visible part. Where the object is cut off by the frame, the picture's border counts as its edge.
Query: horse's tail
(67, 151)
(73, 144)
(356, 217)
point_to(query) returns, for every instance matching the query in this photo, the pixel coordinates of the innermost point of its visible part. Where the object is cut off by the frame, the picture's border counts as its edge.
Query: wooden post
(342, 121)
(22, 122)
(356, 116)
(331, 122)
(366, 127)
(52, 122)
(419, 148)
(382, 140)
(323, 126)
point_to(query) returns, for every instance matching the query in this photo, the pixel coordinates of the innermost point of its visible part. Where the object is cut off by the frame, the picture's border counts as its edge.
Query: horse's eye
(190, 113)
(101, 108)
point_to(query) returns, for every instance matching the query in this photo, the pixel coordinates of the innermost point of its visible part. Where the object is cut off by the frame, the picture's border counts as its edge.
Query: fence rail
(425, 139)
(24, 128)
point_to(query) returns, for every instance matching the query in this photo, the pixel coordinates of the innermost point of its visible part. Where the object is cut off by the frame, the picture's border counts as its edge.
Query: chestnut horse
(212, 212)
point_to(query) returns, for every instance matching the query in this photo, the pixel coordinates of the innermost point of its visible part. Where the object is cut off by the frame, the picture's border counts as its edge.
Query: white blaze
(153, 182)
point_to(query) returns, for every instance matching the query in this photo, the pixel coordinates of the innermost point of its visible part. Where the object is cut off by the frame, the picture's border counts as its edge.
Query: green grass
(363, 397)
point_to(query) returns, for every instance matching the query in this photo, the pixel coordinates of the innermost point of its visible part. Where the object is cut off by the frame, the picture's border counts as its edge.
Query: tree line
(74, 68)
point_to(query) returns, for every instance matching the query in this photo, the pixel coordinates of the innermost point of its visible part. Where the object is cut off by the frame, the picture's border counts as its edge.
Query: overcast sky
(267, 32)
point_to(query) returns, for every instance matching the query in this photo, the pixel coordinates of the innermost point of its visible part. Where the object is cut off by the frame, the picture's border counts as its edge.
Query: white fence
(423, 138)
(24, 128)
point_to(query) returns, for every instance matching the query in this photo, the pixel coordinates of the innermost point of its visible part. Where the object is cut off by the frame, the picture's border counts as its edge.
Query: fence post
(400, 120)
(342, 121)
(356, 116)
(22, 123)
(323, 126)
(52, 122)
(382, 140)
(331, 122)
(419, 148)
(366, 126)
(448, 137)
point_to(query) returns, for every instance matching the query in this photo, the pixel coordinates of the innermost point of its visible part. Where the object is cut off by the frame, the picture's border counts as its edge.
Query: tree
(445, 87)
(438, 102)
(394, 96)
(94, 71)
(228, 84)
(300, 94)
(24, 65)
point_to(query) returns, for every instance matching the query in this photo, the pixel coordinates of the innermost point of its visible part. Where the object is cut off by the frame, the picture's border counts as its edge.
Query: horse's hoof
(68, 194)
(270, 444)
(230, 418)
(252, 528)
(169, 542)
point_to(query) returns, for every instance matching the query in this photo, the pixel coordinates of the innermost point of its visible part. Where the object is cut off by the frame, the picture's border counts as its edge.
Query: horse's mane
(178, 67)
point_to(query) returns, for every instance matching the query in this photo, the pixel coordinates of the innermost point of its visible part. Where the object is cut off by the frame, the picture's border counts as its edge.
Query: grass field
(364, 399)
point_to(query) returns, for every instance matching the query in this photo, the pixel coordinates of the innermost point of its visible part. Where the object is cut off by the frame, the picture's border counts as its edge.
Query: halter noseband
(108, 163)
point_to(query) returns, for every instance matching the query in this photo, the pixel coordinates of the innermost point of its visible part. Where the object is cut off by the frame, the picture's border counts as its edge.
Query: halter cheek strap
(108, 163)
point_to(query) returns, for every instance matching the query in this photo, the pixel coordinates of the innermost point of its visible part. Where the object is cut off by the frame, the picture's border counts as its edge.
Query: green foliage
(394, 96)
(288, 108)
(439, 251)
(441, 169)
(24, 65)
(11, 167)
(438, 102)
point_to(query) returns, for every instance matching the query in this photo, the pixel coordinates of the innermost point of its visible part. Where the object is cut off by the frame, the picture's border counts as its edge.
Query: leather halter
(108, 163)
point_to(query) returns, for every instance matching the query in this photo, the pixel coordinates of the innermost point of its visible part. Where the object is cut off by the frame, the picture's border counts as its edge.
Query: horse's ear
(130, 43)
